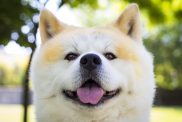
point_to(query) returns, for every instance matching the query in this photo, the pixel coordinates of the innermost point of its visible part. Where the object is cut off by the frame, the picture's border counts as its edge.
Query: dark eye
(110, 56)
(71, 56)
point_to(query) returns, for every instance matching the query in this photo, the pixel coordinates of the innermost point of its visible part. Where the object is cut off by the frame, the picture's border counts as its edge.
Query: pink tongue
(90, 95)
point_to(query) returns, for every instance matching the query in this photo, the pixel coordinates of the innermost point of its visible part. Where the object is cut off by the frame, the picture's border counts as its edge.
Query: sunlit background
(162, 34)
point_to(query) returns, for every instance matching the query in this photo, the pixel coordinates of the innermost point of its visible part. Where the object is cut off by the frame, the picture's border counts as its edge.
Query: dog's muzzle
(90, 92)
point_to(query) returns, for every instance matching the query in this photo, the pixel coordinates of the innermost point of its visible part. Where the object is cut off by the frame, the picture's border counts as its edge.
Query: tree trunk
(26, 100)
(26, 97)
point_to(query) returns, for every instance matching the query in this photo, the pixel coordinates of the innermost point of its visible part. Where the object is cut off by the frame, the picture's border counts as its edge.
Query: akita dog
(97, 74)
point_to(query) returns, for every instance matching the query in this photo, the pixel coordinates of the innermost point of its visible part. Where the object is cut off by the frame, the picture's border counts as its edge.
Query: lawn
(13, 113)
(167, 114)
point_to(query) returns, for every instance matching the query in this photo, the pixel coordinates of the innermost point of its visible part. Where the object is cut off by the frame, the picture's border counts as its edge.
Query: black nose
(90, 61)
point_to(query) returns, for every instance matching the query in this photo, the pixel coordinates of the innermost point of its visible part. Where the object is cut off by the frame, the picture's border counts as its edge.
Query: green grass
(167, 114)
(13, 113)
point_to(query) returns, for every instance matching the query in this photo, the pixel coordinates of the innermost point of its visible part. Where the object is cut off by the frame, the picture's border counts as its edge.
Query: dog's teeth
(69, 93)
(111, 93)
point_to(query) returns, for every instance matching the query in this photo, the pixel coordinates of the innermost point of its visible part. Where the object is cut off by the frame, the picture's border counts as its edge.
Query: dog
(96, 74)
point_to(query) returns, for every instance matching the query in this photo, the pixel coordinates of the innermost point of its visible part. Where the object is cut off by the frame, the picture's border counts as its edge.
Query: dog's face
(89, 68)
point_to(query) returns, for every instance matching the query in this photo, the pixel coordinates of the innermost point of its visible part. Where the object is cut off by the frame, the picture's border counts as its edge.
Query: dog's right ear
(49, 25)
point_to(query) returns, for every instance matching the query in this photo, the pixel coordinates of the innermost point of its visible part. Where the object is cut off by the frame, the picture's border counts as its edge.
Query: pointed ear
(49, 25)
(129, 22)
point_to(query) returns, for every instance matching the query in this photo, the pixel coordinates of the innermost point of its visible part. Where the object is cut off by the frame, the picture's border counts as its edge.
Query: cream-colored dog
(100, 74)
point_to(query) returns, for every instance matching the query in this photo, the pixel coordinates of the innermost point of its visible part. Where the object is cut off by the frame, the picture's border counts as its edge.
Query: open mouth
(90, 94)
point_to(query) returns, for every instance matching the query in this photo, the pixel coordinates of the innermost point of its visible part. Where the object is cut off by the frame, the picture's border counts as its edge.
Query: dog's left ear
(129, 22)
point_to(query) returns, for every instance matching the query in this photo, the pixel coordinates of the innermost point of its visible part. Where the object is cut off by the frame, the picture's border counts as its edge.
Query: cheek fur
(126, 51)
(52, 52)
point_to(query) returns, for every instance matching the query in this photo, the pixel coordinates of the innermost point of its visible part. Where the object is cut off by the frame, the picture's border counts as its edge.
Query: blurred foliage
(166, 45)
(13, 15)
(12, 75)
(77, 3)
(162, 18)
(19, 14)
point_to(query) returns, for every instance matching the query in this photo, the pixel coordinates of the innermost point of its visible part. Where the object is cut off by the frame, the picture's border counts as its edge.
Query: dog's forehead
(88, 39)
(87, 36)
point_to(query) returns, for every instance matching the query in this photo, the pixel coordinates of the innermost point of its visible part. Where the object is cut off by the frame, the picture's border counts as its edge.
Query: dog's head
(92, 67)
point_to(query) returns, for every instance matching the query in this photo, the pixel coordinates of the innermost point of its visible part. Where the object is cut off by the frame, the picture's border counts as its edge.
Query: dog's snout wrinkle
(90, 62)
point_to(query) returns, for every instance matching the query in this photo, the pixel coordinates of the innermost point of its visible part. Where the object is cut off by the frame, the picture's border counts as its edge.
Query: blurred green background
(162, 34)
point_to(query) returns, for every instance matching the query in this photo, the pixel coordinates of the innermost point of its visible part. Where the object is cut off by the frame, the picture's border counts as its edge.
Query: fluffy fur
(132, 70)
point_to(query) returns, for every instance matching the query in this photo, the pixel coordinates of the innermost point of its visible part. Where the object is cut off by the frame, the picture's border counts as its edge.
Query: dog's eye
(71, 56)
(110, 56)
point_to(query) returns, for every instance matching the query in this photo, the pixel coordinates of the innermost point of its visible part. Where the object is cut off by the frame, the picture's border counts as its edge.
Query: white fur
(132, 71)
